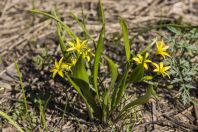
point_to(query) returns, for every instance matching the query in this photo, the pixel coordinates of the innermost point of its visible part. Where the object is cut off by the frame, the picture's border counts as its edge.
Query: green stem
(69, 31)
(11, 121)
(22, 86)
(42, 114)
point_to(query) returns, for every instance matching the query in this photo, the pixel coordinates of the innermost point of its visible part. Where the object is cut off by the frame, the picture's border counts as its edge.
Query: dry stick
(154, 113)
(39, 37)
(139, 9)
(5, 8)
(184, 112)
(25, 37)
(196, 111)
(182, 124)
(26, 33)
(16, 23)
(154, 3)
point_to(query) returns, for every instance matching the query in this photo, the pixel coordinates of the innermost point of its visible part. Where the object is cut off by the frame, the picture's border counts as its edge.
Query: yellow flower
(73, 61)
(161, 49)
(139, 58)
(160, 69)
(78, 46)
(59, 68)
(87, 54)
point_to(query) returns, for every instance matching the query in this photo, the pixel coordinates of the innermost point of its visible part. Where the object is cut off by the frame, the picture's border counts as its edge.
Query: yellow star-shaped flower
(73, 61)
(139, 59)
(161, 49)
(59, 68)
(78, 46)
(87, 54)
(160, 69)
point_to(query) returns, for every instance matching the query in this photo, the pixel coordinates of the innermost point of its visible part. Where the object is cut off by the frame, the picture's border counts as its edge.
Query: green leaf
(113, 70)
(77, 88)
(174, 30)
(119, 89)
(106, 97)
(148, 46)
(99, 50)
(140, 101)
(79, 71)
(22, 86)
(122, 87)
(126, 38)
(81, 79)
(67, 29)
(101, 11)
(105, 106)
(137, 74)
(62, 44)
(11, 121)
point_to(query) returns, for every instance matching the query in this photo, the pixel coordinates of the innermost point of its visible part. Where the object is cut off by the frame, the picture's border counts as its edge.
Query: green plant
(11, 121)
(183, 44)
(22, 86)
(42, 115)
(40, 60)
(103, 102)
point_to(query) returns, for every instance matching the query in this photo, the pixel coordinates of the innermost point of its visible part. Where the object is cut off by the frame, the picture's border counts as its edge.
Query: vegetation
(168, 60)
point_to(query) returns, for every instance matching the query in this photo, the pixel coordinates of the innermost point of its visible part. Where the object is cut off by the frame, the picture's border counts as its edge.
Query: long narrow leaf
(113, 70)
(126, 38)
(11, 121)
(77, 88)
(121, 83)
(22, 86)
(99, 50)
(137, 74)
(79, 71)
(101, 9)
(68, 30)
(105, 105)
(140, 101)
(148, 46)
(81, 79)
(122, 88)
(62, 44)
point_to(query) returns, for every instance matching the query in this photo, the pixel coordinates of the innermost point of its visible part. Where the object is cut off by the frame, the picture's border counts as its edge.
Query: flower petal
(161, 65)
(140, 57)
(71, 49)
(71, 44)
(148, 61)
(146, 55)
(156, 65)
(61, 73)
(145, 66)
(156, 70)
(84, 42)
(54, 74)
(60, 61)
(77, 41)
(167, 68)
(56, 64)
(136, 59)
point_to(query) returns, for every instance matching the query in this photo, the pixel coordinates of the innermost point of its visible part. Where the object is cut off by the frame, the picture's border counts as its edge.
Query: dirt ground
(24, 36)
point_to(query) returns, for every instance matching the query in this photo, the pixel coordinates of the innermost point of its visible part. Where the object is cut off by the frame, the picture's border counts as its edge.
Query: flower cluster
(160, 69)
(78, 48)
